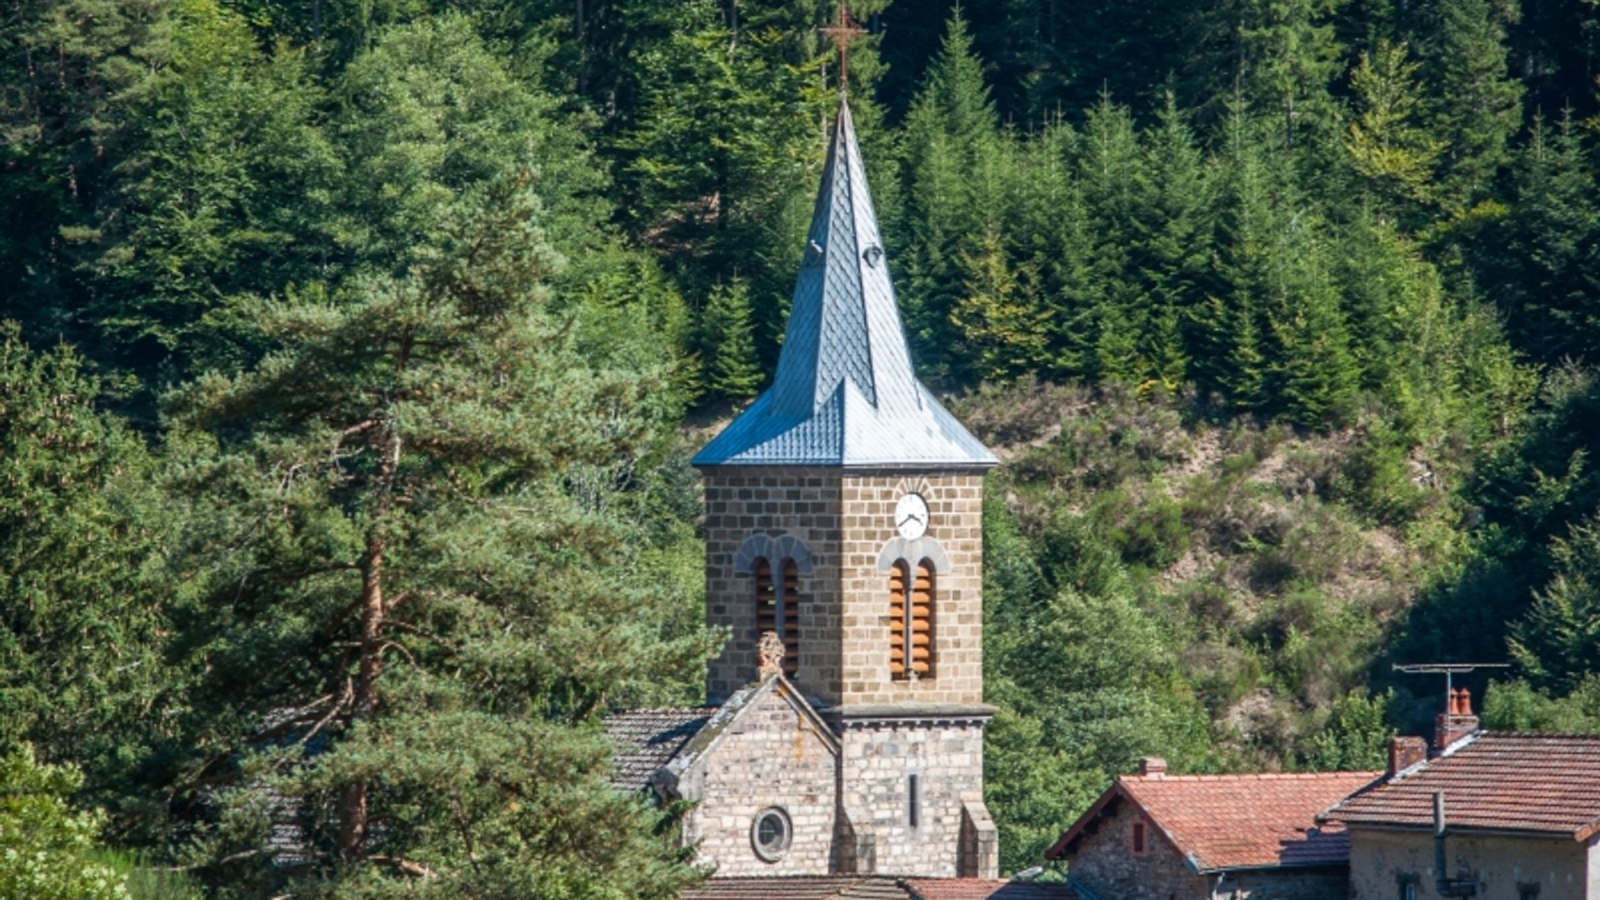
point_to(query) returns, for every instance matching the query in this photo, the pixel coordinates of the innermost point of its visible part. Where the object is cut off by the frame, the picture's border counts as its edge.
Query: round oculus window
(771, 834)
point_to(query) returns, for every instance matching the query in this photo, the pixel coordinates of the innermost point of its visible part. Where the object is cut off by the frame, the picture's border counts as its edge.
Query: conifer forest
(352, 354)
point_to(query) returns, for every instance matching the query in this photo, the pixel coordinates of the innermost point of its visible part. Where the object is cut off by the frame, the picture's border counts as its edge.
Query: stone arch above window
(923, 548)
(766, 546)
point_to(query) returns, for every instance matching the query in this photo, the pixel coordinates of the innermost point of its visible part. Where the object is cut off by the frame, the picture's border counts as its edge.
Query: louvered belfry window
(778, 609)
(911, 599)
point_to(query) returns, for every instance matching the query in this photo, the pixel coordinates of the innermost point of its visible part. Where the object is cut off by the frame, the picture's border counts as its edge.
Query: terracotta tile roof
(1536, 783)
(873, 887)
(983, 889)
(647, 739)
(1237, 821)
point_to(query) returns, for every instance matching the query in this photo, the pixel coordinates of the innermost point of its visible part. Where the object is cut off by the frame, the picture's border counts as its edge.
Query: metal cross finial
(842, 33)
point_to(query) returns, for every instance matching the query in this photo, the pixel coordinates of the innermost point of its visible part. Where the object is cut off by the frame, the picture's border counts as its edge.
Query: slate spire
(845, 391)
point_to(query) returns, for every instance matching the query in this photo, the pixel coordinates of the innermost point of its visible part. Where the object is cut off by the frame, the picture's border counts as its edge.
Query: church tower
(844, 515)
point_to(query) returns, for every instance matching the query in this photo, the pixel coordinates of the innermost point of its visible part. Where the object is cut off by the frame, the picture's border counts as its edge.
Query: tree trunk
(353, 799)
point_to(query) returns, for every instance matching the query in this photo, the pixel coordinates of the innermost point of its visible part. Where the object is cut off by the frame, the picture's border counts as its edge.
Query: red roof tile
(1537, 783)
(874, 887)
(1238, 821)
(982, 889)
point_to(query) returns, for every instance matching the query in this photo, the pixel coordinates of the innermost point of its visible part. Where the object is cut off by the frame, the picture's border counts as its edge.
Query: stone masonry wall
(771, 756)
(955, 503)
(1379, 858)
(742, 501)
(1104, 863)
(948, 760)
(845, 521)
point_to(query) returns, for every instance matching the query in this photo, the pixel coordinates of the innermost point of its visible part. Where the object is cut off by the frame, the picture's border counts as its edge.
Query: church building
(844, 555)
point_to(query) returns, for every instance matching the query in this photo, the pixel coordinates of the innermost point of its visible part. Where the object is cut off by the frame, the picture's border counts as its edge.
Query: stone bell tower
(844, 515)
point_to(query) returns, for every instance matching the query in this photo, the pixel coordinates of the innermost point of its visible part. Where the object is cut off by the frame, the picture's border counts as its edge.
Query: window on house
(1528, 890)
(1138, 839)
(1408, 888)
(914, 801)
(778, 608)
(911, 605)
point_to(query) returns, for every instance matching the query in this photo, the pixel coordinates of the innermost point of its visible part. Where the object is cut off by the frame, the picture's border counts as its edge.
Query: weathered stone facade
(772, 755)
(1504, 865)
(845, 521)
(880, 758)
(1105, 864)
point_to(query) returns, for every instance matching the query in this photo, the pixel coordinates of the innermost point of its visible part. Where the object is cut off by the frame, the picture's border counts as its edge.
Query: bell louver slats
(911, 605)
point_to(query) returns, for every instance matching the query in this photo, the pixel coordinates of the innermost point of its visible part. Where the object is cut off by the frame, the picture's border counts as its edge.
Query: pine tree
(1475, 105)
(1289, 55)
(949, 134)
(83, 600)
(1173, 241)
(1052, 237)
(1558, 642)
(1542, 262)
(1316, 373)
(1003, 330)
(1388, 148)
(728, 345)
(420, 493)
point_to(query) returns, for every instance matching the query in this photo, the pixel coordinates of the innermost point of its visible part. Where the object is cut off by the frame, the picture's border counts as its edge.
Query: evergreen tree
(75, 72)
(1003, 332)
(1542, 262)
(1475, 106)
(1173, 241)
(1558, 642)
(1289, 55)
(949, 135)
(728, 345)
(420, 567)
(82, 596)
(1388, 148)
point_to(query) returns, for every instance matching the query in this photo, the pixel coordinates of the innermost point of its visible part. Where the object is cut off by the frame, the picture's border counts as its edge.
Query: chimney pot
(1152, 767)
(1464, 703)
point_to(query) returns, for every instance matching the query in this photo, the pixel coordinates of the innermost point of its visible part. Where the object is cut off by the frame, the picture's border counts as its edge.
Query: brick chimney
(1456, 722)
(1152, 767)
(1404, 752)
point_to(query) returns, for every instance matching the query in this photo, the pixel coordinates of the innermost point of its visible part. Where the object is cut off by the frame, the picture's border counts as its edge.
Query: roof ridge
(1259, 776)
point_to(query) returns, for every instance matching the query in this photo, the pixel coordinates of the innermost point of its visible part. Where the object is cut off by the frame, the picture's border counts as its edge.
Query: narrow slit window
(1138, 839)
(914, 801)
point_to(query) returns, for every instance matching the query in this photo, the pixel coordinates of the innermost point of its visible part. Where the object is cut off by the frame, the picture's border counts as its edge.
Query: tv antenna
(1449, 670)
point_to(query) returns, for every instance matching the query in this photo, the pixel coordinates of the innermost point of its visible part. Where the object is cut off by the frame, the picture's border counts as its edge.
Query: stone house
(1155, 836)
(843, 734)
(1499, 816)
(874, 887)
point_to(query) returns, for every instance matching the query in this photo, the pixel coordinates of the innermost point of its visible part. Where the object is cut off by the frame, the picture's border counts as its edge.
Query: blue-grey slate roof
(845, 392)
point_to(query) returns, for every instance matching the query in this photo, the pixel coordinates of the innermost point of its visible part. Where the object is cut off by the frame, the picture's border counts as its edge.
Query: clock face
(911, 516)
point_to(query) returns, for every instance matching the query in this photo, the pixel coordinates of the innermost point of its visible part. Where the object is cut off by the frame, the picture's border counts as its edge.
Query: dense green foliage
(350, 345)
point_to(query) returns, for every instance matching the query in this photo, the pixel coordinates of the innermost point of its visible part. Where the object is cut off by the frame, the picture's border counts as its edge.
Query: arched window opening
(778, 608)
(911, 604)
